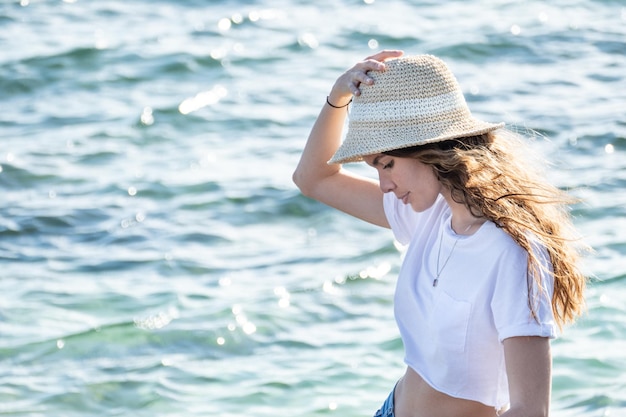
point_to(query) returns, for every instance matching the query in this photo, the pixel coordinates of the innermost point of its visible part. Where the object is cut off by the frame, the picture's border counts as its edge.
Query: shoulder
(511, 255)
(496, 241)
(404, 221)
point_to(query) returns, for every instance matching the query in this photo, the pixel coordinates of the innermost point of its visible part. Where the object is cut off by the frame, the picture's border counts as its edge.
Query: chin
(418, 208)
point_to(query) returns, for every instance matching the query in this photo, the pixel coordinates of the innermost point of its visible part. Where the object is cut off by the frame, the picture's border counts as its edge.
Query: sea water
(155, 257)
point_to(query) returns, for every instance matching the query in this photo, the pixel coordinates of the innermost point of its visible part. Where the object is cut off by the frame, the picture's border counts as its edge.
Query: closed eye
(388, 165)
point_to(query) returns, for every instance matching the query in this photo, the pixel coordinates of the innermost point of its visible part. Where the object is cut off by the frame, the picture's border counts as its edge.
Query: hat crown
(416, 100)
(412, 77)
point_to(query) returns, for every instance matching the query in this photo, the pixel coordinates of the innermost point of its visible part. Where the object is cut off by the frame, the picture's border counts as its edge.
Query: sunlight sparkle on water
(203, 99)
(267, 14)
(249, 328)
(157, 321)
(329, 287)
(253, 16)
(308, 40)
(376, 272)
(224, 24)
(340, 279)
(100, 41)
(284, 297)
(237, 18)
(604, 299)
(241, 319)
(218, 53)
(147, 118)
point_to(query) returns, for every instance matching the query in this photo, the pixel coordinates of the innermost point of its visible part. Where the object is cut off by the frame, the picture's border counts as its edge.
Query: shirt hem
(454, 395)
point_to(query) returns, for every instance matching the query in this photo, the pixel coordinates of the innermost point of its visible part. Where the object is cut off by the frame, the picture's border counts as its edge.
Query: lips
(404, 198)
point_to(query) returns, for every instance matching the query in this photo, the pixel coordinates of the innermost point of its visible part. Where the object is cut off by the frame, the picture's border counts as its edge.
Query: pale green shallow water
(155, 258)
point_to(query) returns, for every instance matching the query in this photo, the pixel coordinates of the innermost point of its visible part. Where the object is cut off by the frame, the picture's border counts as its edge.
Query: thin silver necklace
(439, 271)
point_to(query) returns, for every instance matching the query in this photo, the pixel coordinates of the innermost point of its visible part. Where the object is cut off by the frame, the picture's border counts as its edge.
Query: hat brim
(369, 141)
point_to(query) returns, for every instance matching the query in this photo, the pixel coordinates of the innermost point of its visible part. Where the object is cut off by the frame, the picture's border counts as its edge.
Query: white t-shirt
(453, 332)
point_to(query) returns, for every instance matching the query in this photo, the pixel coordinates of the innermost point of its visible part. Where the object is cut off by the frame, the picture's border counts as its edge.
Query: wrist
(338, 103)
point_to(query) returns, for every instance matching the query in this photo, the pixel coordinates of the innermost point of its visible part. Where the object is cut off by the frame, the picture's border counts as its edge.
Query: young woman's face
(410, 180)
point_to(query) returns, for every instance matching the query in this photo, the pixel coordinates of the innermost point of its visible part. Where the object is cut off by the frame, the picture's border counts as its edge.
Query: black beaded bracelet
(337, 107)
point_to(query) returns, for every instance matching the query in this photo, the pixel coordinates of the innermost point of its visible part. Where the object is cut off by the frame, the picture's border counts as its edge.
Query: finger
(370, 65)
(358, 74)
(376, 62)
(361, 77)
(354, 88)
(386, 54)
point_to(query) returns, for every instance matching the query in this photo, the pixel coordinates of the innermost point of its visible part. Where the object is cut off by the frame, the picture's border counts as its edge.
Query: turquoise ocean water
(155, 258)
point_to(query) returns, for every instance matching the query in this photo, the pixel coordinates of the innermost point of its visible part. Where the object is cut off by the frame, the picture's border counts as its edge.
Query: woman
(490, 272)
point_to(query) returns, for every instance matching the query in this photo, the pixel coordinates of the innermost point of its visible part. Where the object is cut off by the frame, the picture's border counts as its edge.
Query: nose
(386, 184)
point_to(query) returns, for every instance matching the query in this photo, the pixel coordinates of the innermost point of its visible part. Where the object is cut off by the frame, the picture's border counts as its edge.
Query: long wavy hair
(490, 175)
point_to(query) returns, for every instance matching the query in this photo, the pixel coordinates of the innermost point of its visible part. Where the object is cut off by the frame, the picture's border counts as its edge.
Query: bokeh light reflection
(375, 272)
(242, 320)
(283, 297)
(203, 99)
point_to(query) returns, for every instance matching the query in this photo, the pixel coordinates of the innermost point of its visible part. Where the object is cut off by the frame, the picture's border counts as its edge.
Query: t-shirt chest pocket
(448, 322)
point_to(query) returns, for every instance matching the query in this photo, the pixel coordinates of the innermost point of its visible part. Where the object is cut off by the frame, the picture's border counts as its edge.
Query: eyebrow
(376, 160)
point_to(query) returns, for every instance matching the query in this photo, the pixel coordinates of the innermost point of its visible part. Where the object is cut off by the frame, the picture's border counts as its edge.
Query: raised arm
(331, 184)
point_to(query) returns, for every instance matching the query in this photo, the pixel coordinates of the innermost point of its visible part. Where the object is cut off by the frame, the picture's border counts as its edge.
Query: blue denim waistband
(387, 409)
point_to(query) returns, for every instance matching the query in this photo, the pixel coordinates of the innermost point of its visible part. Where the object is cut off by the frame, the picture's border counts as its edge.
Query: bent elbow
(300, 181)
(309, 186)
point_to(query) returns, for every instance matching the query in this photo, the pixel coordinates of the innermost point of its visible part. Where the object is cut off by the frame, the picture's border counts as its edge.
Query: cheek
(427, 185)
(429, 179)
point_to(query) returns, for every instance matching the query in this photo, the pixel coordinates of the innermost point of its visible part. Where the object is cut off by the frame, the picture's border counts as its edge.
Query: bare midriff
(415, 398)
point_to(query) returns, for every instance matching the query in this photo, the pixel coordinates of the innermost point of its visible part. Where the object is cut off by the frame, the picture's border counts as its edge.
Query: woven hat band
(415, 101)
(428, 108)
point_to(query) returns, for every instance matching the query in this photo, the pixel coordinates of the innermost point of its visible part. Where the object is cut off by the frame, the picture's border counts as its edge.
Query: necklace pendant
(435, 282)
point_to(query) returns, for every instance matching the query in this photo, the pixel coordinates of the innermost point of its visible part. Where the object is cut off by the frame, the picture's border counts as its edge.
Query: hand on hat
(348, 83)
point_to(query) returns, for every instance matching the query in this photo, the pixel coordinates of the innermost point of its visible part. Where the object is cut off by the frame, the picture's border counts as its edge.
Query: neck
(463, 221)
(468, 227)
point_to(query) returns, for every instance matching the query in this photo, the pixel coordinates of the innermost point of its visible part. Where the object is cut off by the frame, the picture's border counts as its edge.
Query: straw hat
(416, 100)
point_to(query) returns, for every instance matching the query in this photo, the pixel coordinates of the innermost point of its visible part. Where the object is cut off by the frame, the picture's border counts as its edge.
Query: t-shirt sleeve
(510, 302)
